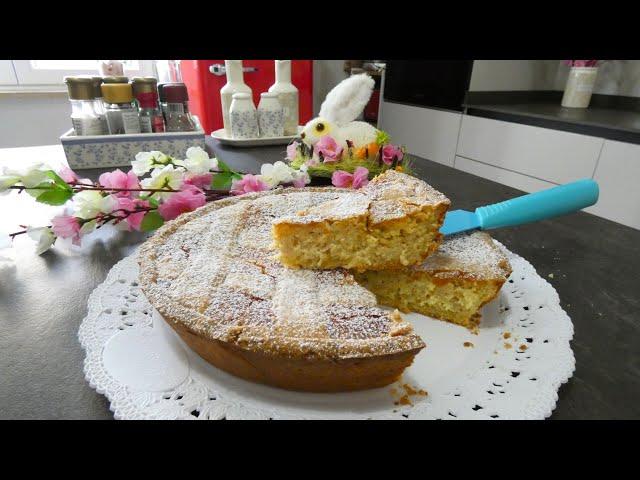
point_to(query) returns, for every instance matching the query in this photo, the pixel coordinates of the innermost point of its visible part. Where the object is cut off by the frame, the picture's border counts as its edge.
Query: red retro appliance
(205, 78)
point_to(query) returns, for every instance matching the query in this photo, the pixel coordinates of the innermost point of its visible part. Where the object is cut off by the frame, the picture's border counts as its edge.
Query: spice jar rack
(119, 150)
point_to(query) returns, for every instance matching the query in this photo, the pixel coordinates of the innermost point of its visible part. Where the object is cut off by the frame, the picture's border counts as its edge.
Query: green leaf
(153, 202)
(382, 137)
(151, 221)
(56, 196)
(223, 166)
(222, 181)
(57, 180)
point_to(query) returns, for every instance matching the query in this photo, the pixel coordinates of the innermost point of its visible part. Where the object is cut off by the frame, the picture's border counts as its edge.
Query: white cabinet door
(500, 175)
(549, 155)
(427, 133)
(618, 174)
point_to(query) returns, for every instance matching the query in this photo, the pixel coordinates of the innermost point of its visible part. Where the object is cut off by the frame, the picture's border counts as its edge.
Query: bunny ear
(347, 99)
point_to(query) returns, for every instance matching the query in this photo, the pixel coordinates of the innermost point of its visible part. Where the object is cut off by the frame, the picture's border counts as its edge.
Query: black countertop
(594, 262)
(614, 120)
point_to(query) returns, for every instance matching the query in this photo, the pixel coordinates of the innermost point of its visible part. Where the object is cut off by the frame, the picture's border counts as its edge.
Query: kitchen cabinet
(500, 175)
(545, 154)
(425, 132)
(618, 174)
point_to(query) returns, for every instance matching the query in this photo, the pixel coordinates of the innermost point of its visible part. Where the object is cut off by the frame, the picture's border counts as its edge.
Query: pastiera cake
(391, 223)
(214, 277)
(465, 273)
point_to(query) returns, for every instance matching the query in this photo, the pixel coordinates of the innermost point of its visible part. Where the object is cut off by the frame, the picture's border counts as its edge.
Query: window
(52, 72)
(7, 75)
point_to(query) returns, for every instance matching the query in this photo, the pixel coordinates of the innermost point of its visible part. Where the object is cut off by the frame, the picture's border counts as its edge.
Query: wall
(512, 75)
(326, 75)
(28, 119)
(615, 77)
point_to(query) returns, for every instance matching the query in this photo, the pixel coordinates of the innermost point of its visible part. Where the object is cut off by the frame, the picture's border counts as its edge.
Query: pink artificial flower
(300, 182)
(66, 226)
(119, 179)
(292, 151)
(248, 183)
(389, 152)
(329, 149)
(186, 200)
(203, 182)
(358, 179)
(581, 63)
(128, 205)
(68, 175)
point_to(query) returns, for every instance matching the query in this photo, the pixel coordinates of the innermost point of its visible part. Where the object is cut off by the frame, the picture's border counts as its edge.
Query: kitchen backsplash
(615, 77)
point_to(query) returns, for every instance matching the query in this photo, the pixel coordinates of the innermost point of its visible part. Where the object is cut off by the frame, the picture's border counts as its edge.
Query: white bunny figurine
(339, 110)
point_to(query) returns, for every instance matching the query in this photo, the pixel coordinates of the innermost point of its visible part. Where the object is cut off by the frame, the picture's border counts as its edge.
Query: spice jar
(243, 117)
(178, 118)
(84, 117)
(122, 114)
(145, 93)
(270, 115)
(98, 104)
(113, 79)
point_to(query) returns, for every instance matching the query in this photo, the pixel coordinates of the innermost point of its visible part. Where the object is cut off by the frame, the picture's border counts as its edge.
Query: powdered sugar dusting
(389, 196)
(215, 271)
(471, 255)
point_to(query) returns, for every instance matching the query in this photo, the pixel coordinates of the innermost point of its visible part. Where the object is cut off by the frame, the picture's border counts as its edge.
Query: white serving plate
(147, 371)
(253, 142)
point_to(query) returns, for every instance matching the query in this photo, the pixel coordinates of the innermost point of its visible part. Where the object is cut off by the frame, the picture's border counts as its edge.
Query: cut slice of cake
(465, 273)
(391, 223)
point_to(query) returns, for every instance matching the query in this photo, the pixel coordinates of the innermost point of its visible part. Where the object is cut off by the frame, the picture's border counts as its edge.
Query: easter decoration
(335, 145)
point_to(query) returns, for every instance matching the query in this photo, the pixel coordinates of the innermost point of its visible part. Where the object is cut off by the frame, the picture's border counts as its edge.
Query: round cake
(214, 276)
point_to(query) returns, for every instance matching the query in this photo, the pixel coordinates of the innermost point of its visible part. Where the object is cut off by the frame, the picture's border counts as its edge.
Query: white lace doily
(147, 372)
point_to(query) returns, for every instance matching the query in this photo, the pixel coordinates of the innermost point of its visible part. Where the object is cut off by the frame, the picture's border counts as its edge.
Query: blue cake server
(533, 207)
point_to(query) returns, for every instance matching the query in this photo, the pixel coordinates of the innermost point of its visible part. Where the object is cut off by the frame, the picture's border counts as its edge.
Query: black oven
(428, 83)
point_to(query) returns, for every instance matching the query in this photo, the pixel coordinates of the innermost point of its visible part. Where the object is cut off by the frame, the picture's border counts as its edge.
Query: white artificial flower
(198, 161)
(146, 161)
(7, 181)
(88, 227)
(164, 177)
(44, 236)
(276, 174)
(5, 240)
(142, 164)
(89, 203)
(30, 176)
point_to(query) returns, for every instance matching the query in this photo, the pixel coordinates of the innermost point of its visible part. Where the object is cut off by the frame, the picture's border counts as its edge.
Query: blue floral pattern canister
(270, 115)
(243, 117)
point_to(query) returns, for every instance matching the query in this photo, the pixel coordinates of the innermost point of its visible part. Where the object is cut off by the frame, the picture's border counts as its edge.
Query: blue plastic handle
(549, 203)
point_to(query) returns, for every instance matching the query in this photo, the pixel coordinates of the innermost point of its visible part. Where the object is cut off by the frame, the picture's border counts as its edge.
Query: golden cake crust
(464, 274)
(388, 197)
(214, 277)
(472, 256)
(391, 223)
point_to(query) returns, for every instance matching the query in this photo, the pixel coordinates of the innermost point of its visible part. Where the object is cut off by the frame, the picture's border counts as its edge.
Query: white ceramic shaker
(270, 115)
(287, 95)
(235, 84)
(243, 117)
